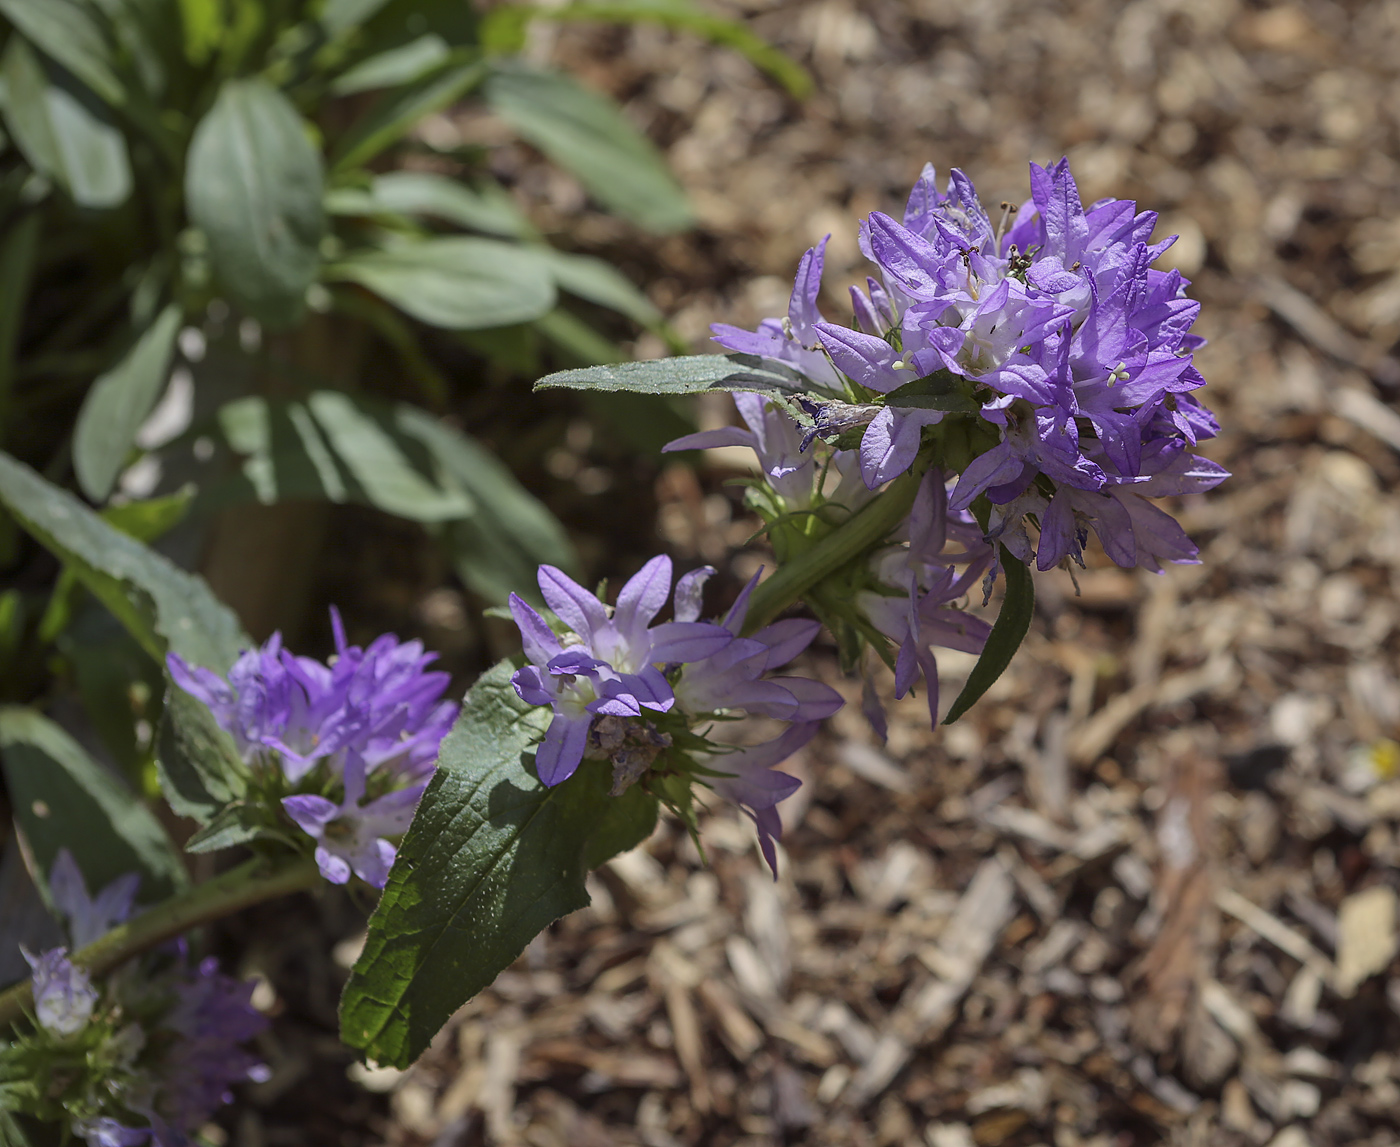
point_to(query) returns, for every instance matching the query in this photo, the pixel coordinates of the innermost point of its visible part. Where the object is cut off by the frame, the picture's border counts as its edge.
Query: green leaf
(378, 463)
(503, 29)
(64, 799)
(341, 16)
(602, 283)
(577, 342)
(254, 186)
(200, 769)
(1012, 624)
(498, 550)
(687, 374)
(66, 31)
(118, 403)
(585, 132)
(150, 518)
(457, 283)
(400, 65)
(491, 859)
(397, 111)
(938, 391)
(63, 132)
(161, 605)
(488, 209)
(242, 822)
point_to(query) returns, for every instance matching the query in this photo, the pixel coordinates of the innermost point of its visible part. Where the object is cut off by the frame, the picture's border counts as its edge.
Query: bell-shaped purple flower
(752, 782)
(89, 917)
(352, 835)
(615, 666)
(733, 678)
(64, 997)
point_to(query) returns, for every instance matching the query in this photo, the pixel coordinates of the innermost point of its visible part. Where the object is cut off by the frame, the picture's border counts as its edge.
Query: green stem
(238, 888)
(849, 540)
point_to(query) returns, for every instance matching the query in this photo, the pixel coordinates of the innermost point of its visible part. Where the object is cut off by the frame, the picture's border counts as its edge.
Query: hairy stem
(248, 884)
(848, 541)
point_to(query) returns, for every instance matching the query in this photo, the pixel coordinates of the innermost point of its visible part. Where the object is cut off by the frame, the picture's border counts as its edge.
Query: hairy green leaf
(1009, 630)
(64, 799)
(161, 605)
(492, 858)
(585, 132)
(118, 403)
(63, 131)
(688, 374)
(254, 186)
(457, 283)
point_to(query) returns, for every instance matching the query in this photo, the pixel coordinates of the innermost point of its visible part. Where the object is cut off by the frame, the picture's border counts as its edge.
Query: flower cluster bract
(621, 688)
(150, 1056)
(355, 739)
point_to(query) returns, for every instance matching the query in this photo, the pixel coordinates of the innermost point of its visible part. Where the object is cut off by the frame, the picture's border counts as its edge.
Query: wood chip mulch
(1145, 892)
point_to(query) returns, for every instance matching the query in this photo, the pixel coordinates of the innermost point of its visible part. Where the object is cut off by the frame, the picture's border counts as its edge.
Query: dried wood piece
(871, 765)
(1274, 930)
(690, 1048)
(739, 1033)
(1324, 332)
(1219, 675)
(925, 1009)
(1366, 941)
(497, 1094)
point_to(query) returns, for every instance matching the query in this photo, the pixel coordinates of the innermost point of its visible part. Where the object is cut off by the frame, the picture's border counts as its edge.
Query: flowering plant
(145, 1058)
(1004, 391)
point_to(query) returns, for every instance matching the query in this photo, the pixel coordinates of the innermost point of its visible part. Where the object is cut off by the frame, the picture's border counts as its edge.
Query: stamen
(1008, 209)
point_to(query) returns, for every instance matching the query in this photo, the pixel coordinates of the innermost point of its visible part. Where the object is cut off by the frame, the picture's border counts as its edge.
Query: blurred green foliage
(232, 194)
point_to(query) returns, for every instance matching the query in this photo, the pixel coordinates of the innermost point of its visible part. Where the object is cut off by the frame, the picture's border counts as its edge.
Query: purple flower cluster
(167, 1037)
(1073, 352)
(363, 730)
(615, 682)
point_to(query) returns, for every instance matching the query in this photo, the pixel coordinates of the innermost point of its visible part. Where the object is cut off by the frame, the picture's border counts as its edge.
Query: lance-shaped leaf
(399, 109)
(457, 283)
(511, 534)
(118, 403)
(254, 186)
(64, 799)
(487, 208)
(1012, 624)
(688, 374)
(69, 31)
(63, 130)
(602, 283)
(492, 858)
(161, 605)
(585, 132)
